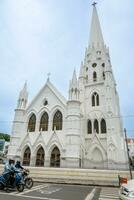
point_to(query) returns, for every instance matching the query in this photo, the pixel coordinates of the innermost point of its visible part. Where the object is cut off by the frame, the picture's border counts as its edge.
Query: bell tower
(100, 104)
(17, 130)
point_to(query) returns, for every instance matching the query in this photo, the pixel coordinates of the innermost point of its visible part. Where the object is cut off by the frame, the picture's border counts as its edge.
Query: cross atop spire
(94, 3)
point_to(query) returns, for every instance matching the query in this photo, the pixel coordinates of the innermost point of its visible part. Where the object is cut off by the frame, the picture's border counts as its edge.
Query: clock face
(94, 65)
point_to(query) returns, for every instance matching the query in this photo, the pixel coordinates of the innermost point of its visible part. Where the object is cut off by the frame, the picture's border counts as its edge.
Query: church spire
(74, 79)
(96, 37)
(74, 88)
(81, 74)
(23, 92)
(23, 97)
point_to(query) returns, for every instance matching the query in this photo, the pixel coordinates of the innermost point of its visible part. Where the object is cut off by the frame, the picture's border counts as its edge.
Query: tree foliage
(4, 136)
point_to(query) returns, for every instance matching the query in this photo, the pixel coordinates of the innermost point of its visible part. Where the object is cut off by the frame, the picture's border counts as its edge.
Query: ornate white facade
(85, 130)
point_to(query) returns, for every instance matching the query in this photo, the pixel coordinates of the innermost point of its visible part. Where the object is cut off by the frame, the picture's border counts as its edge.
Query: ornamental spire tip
(94, 3)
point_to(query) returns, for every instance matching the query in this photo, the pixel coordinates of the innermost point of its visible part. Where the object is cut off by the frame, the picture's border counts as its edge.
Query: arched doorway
(40, 157)
(55, 158)
(97, 155)
(26, 156)
(97, 159)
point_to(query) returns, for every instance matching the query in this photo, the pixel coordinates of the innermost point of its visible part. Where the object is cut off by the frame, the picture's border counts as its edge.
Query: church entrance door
(97, 159)
(55, 158)
(26, 157)
(40, 157)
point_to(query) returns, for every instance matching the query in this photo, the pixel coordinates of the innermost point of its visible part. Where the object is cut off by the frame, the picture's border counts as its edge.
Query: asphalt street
(62, 192)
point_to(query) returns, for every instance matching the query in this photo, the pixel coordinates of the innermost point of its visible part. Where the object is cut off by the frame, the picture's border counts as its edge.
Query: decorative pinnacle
(48, 76)
(94, 3)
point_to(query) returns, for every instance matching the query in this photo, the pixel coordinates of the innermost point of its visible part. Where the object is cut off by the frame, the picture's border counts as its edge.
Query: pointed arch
(57, 120)
(44, 122)
(103, 126)
(96, 126)
(89, 127)
(27, 156)
(40, 157)
(94, 76)
(75, 90)
(100, 147)
(32, 123)
(55, 157)
(97, 155)
(95, 99)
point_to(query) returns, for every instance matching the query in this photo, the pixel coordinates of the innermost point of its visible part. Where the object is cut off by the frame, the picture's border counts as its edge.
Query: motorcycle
(12, 179)
(27, 180)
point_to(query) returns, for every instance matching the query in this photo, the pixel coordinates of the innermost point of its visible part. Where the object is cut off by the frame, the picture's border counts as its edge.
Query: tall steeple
(96, 37)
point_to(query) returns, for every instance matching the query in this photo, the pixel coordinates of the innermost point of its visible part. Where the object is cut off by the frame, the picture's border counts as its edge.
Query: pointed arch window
(103, 75)
(32, 123)
(95, 99)
(40, 157)
(55, 158)
(57, 121)
(94, 76)
(44, 122)
(103, 126)
(27, 156)
(96, 126)
(75, 90)
(89, 127)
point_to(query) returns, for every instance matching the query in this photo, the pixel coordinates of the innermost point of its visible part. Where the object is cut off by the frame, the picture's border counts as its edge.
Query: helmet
(18, 162)
(11, 161)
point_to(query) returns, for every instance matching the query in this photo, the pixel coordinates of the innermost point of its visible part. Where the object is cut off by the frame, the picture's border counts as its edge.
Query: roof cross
(48, 76)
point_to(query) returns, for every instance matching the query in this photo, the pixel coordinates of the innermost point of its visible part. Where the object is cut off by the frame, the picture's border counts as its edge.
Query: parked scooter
(12, 179)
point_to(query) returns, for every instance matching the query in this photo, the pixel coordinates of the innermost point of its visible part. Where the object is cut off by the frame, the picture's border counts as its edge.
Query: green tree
(4, 136)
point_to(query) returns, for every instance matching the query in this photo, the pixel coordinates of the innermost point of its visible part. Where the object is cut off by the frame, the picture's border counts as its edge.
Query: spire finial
(94, 3)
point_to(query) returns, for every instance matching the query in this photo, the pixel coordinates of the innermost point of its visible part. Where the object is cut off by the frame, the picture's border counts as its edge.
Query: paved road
(62, 192)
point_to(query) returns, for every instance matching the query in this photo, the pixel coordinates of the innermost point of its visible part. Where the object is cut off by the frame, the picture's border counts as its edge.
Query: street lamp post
(128, 154)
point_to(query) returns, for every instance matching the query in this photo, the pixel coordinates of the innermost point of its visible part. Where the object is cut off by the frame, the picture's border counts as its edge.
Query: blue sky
(42, 36)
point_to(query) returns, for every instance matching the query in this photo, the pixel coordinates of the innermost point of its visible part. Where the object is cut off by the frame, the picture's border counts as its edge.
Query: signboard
(2, 142)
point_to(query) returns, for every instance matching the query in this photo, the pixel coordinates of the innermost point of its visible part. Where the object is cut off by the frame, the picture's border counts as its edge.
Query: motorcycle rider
(18, 165)
(11, 177)
(9, 167)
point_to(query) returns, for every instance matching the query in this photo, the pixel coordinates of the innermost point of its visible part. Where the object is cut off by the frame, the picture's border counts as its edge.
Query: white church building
(83, 131)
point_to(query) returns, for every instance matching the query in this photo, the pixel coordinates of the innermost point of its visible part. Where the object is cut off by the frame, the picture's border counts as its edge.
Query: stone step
(76, 176)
